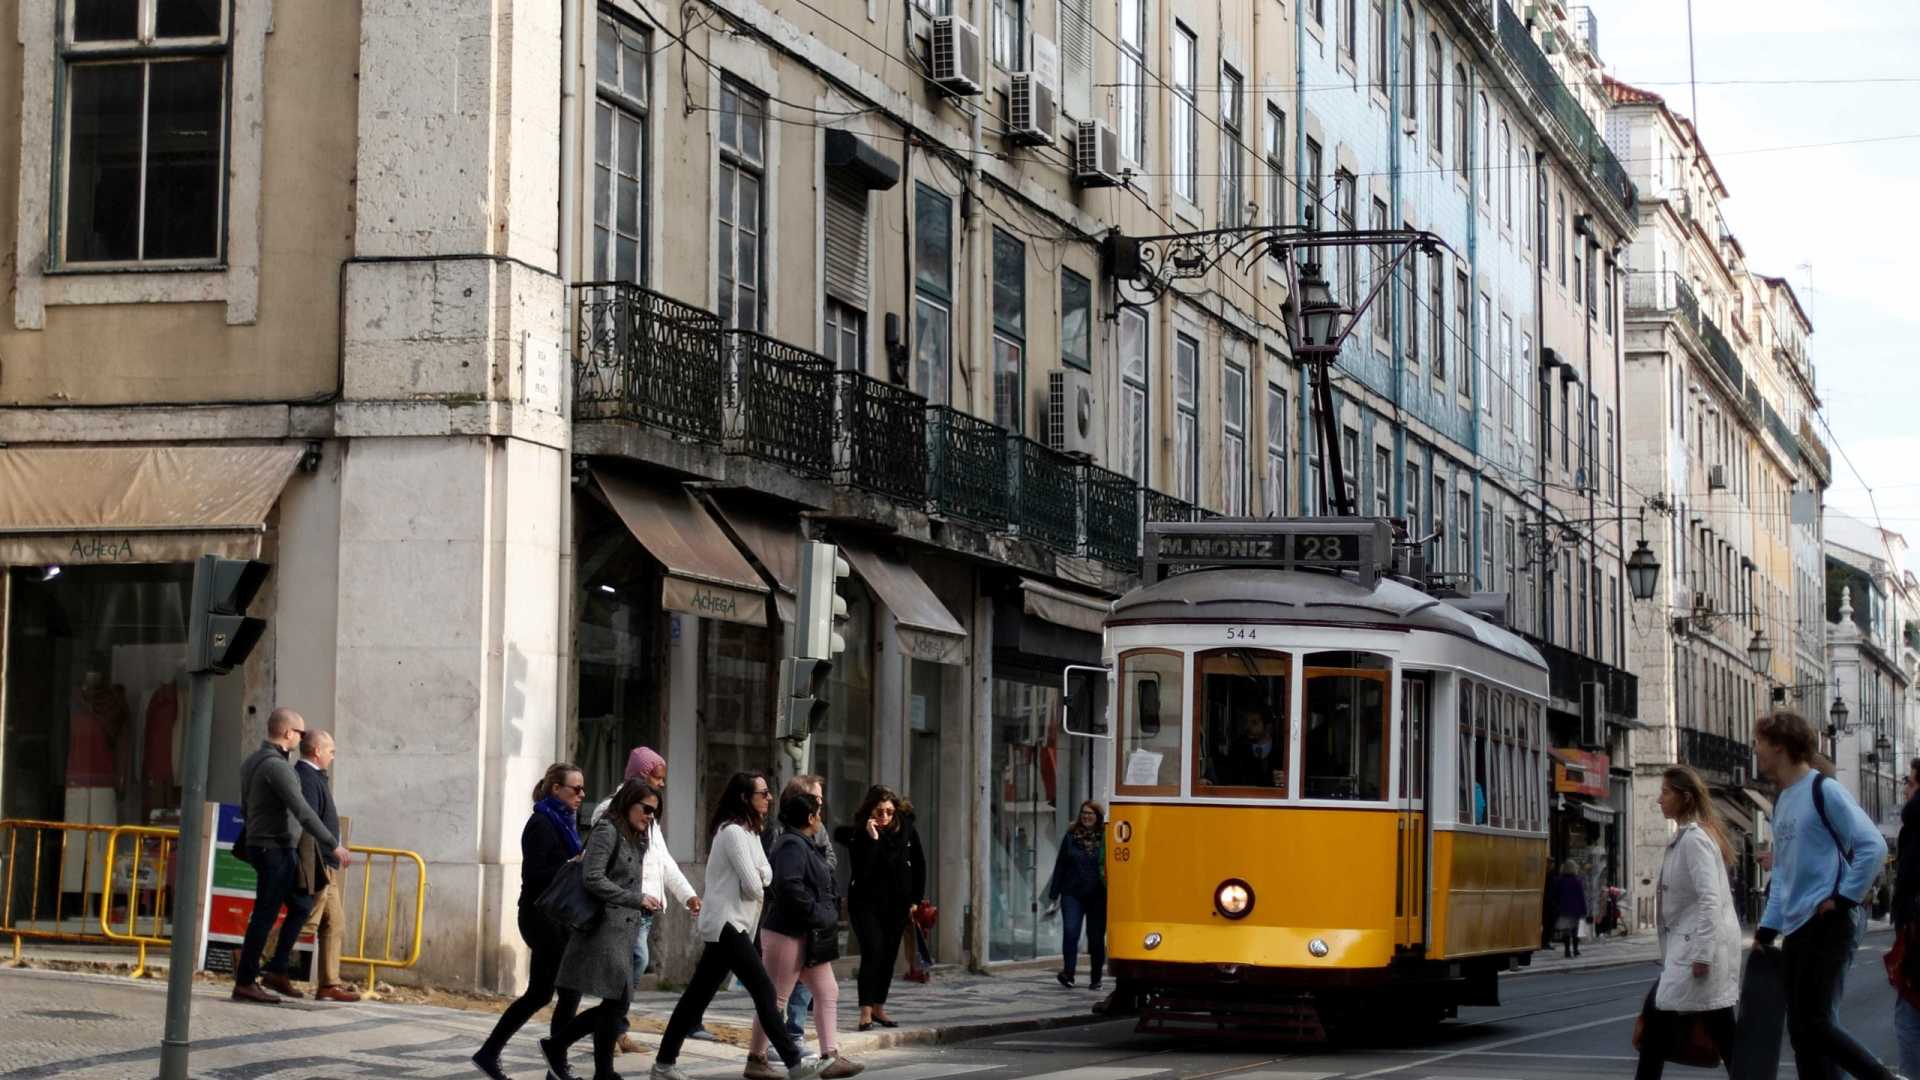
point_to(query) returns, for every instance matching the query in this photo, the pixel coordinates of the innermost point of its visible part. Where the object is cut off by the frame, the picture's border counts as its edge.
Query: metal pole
(174, 1043)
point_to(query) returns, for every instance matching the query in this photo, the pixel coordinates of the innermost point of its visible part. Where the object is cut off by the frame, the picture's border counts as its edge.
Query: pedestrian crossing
(951, 1070)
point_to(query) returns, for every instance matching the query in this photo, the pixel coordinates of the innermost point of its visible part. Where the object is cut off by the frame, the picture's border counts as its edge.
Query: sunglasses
(651, 809)
(577, 789)
(762, 793)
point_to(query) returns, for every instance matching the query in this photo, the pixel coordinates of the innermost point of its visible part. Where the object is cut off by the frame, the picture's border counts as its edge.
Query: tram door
(1410, 898)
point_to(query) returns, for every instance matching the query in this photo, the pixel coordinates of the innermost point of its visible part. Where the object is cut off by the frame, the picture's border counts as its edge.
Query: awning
(1736, 815)
(1063, 607)
(1592, 811)
(1760, 801)
(706, 574)
(927, 630)
(137, 504)
(775, 543)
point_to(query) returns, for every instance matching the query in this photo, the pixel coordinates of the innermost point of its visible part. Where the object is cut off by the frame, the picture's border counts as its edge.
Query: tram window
(1509, 795)
(1151, 691)
(1413, 737)
(1482, 796)
(1243, 738)
(1463, 754)
(1345, 731)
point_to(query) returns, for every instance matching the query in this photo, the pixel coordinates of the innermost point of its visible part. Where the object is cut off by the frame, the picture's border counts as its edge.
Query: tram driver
(1258, 759)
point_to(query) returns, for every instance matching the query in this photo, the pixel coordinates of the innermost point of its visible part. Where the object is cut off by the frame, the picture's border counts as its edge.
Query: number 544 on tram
(1329, 785)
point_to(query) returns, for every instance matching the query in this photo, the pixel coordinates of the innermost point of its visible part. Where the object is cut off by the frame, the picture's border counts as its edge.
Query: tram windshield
(1243, 737)
(1152, 721)
(1344, 742)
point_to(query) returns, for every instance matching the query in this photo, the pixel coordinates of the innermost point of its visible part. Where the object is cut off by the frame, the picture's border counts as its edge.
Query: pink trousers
(781, 955)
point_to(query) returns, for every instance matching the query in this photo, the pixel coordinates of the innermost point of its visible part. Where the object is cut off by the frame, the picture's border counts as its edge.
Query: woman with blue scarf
(550, 840)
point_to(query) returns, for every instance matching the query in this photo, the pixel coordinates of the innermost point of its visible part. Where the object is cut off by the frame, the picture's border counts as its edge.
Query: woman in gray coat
(599, 961)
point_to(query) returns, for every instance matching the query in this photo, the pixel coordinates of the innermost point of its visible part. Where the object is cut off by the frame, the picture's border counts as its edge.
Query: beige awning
(137, 504)
(705, 574)
(1063, 607)
(775, 543)
(927, 630)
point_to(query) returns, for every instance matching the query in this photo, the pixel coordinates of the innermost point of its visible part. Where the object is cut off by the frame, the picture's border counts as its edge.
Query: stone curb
(979, 1029)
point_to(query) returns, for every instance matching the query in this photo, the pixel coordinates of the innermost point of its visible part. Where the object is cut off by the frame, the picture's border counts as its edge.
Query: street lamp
(1643, 571)
(1838, 714)
(1319, 311)
(1759, 650)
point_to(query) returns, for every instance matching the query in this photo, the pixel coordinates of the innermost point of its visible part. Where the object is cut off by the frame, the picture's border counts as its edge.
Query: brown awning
(1064, 607)
(706, 574)
(927, 630)
(775, 543)
(137, 504)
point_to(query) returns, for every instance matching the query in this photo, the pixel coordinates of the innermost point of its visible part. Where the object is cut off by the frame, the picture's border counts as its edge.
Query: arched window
(1506, 173)
(1409, 106)
(1486, 152)
(1436, 95)
(1461, 158)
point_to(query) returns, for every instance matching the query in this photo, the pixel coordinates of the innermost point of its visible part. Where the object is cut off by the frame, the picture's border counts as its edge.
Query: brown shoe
(281, 984)
(254, 993)
(629, 1045)
(336, 993)
(840, 1068)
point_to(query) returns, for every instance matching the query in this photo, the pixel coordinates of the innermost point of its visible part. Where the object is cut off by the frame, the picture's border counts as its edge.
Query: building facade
(1869, 605)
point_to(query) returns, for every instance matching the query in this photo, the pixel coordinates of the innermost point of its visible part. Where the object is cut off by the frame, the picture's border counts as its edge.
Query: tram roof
(1241, 594)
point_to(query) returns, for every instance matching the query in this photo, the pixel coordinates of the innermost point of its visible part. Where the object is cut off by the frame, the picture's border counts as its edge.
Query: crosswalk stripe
(1095, 1072)
(925, 1070)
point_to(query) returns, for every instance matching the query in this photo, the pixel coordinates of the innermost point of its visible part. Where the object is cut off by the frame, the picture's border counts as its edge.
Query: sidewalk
(1642, 947)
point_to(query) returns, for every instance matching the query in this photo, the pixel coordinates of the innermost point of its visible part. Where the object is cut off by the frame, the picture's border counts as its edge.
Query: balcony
(1559, 102)
(1813, 450)
(880, 440)
(1782, 434)
(1569, 671)
(1109, 515)
(966, 467)
(776, 396)
(648, 358)
(1722, 761)
(1042, 494)
(1159, 506)
(1663, 292)
(1723, 355)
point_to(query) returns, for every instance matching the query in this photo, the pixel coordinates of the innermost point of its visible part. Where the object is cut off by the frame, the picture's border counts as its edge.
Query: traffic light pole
(174, 1044)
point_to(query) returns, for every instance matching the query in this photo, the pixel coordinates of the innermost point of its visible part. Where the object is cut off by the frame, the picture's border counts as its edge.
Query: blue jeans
(1092, 909)
(276, 875)
(799, 1004)
(640, 958)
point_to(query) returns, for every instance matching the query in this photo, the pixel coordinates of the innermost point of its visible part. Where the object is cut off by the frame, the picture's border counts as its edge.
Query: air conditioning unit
(1073, 424)
(1702, 604)
(1033, 111)
(1717, 478)
(1096, 155)
(956, 55)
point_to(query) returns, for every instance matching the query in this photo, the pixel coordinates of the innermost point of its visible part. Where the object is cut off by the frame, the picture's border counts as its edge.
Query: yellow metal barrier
(45, 863)
(153, 851)
(391, 925)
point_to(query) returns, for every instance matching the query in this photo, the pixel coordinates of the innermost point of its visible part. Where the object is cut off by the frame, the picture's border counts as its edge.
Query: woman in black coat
(889, 878)
(549, 841)
(1079, 885)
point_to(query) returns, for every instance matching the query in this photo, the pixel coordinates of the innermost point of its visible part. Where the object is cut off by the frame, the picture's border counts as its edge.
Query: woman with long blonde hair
(1699, 931)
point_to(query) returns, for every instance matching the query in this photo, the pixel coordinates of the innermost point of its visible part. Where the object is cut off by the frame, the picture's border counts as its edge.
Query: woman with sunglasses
(889, 878)
(550, 839)
(737, 878)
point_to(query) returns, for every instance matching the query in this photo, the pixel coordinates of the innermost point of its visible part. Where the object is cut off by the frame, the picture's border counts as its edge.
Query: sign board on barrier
(228, 903)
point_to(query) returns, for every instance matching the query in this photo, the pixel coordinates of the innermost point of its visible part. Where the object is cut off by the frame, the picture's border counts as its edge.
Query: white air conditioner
(1717, 478)
(956, 55)
(1032, 111)
(1073, 424)
(1096, 155)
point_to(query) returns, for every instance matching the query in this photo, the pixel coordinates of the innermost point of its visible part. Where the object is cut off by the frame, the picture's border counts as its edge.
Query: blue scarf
(564, 820)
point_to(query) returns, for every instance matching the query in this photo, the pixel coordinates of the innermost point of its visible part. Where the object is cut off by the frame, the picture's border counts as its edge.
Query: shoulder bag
(565, 901)
(1692, 1044)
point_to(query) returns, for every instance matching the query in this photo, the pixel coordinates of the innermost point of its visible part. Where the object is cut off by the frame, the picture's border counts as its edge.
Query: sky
(1841, 222)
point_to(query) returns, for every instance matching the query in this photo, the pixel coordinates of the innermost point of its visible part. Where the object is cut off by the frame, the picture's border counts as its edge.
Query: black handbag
(240, 849)
(823, 945)
(566, 903)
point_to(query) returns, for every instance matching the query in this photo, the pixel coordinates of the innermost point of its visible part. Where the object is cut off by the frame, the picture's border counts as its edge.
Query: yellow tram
(1329, 795)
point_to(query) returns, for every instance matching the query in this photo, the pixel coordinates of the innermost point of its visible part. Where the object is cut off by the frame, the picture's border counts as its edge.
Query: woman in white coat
(1699, 932)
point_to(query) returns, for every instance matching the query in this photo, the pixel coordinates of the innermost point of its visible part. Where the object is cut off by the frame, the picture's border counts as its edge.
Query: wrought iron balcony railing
(1537, 72)
(778, 402)
(1042, 494)
(966, 466)
(1813, 449)
(1663, 291)
(649, 358)
(880, 440)
(1109, 515)
(1723, 355)
(1159, 506)
(1569, 671)
(1720, 759)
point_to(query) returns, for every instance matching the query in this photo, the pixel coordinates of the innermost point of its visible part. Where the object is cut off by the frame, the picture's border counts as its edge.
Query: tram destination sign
(1362, 545)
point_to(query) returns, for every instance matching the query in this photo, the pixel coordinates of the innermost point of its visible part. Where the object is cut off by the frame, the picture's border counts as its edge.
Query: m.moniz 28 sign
(1358, 544)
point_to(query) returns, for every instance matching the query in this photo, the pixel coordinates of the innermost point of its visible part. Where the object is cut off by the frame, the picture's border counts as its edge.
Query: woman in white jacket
(1699, 932)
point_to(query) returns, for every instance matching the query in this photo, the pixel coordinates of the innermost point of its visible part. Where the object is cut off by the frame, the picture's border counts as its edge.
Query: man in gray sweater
(276, 813)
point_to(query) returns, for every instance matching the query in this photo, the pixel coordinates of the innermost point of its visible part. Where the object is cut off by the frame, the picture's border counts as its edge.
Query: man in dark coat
(319, 871)
(1258, 758)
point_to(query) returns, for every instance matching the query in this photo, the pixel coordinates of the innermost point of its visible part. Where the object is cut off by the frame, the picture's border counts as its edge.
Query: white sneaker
(810, 1069)
(663, 1071)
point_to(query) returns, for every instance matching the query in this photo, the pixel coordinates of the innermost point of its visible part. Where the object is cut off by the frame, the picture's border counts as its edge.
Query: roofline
(1783, 283)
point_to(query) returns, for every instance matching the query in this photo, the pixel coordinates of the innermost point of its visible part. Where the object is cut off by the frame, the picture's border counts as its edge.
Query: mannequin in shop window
(97, 765)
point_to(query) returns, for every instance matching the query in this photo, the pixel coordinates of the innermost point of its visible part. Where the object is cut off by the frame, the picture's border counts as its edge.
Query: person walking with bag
(800, 1001)
(799, 937)
(1569, 897)
(1079, 884)
(737, 878)
(889, 878)
(1699, 933)
(1825, 855)
(599, 961)
(550, 839)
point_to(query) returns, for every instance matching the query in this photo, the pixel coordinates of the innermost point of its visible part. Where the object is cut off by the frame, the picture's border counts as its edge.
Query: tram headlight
(1234, 898)
(1152, 941)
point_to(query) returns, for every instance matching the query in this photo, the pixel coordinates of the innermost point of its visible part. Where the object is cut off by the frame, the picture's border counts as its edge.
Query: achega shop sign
(1580, 772)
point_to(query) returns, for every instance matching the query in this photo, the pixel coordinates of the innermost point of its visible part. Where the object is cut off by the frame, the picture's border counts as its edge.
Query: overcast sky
(1774, 74)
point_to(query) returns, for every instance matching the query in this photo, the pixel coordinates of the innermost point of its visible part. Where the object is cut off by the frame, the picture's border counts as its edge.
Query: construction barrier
(53, 876)
(397, 920)
(142, 858)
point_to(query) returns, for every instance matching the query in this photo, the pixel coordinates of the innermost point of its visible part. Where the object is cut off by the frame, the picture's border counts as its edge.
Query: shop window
(1241, 743)
(1344, 729)
(1152, 715)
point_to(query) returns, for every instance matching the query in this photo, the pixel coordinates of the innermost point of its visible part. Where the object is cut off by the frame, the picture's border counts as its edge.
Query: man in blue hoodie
(1825, 855)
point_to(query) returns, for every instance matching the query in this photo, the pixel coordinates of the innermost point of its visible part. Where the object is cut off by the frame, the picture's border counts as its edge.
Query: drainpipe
(1396, 140)
(569, 210)
(1542, 385)
(1303, 424)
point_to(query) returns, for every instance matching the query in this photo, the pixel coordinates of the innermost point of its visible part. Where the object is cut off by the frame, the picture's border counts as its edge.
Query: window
(1415, 527)
(1350, 463)
(143, 169)
(620, 157)
(1009, 332)
(1590, 441)
(1310, 180)
(1152, 722)
(1346, 194)
(1566, 425)
(1437, 317)
(1318, 9)
(1468, 794)
(1233, 182)
(1523, 389)
(742, 205)
(1409, 318)
(1513, 580)
(1349, 15)
(1506, 174)
(1133, 390)
(1186, 147)
(1276, 492)
(843, 335)
(1382, 482)
(1133, 80)
(1486, 152)
(1409, 93)
(1487, 536)
(1599, 614)
(1276, 167)
(1462, 160)
(1580, 612)
(1244, 702)
(1377, 270)
(1436, 97)
(1560, 231)
(1612, 466)
(1076, 321)
(1463, 332)
(1440, 505)
(844, 273)
(1377, 44)
(1233, 461)
(1509, 407)
(1343, 734)
(1579, 272)
(1483, 341)
(1009, 33)
(1523, 166)
(1186, 406)
(1462, 526)
(932, 293)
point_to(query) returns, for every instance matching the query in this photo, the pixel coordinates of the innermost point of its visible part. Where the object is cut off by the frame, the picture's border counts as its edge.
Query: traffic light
(804, 709)
(816, 641)
(219, 632)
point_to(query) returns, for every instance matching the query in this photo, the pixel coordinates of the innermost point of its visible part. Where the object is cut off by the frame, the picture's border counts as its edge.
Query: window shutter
(1076, 59)
(846, 242)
